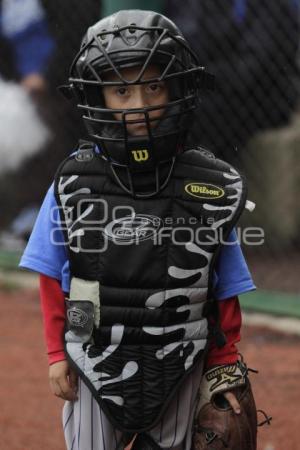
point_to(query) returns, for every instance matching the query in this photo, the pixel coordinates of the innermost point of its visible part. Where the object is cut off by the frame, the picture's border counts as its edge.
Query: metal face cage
(103, 55)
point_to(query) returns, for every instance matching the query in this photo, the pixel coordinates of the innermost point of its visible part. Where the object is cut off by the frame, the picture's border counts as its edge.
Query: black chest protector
(141, 278)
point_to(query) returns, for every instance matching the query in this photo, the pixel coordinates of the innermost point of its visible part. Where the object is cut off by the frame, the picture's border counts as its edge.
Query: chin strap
(131, 189)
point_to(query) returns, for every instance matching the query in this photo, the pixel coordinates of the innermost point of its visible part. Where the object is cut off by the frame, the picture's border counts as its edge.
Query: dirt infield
(30, 415)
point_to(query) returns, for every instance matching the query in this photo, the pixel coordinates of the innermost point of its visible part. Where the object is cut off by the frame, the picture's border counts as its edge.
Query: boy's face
(137, 96)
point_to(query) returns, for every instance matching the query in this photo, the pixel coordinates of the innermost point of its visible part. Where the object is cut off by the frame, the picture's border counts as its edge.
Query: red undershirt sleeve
(53, 309)
(230, 321)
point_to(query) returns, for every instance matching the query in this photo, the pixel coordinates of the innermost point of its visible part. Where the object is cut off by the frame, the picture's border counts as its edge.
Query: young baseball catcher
(140, 267)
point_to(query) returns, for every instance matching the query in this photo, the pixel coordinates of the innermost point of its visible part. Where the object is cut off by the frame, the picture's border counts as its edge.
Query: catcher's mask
(141, 164)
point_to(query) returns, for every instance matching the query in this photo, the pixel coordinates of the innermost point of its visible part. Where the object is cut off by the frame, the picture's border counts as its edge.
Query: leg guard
(144, 442)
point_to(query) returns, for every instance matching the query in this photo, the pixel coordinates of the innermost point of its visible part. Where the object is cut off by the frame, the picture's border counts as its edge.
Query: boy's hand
(63, 381)
(233, 401)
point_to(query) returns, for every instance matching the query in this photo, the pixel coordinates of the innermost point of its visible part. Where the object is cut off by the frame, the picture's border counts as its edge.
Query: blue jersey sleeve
(232, 276)
(46, 250)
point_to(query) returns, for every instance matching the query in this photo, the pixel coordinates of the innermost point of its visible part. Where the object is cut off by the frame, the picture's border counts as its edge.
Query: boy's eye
(122, 91)
(154, 87)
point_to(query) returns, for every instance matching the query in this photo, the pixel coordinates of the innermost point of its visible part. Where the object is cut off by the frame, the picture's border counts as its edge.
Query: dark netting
(251, 47)
(252, 119)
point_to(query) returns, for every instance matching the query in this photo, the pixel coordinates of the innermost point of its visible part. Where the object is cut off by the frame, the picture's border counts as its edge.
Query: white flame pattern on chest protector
(196, 293)
(179, 273)
(68, 210)
(87, 363)
(80, 357)
(195, 328)
(238, 187)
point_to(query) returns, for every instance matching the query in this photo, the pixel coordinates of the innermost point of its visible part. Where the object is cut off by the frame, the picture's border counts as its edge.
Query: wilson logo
(201, 190)
(140, 155)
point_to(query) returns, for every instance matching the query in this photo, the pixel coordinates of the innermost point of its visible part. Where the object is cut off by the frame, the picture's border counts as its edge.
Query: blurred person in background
(251, 47)
(26, 47)
(26, 44)
(37, 55)
(25, 50)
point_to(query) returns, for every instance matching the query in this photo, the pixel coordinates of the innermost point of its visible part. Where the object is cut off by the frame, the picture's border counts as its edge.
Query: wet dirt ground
(30, 416)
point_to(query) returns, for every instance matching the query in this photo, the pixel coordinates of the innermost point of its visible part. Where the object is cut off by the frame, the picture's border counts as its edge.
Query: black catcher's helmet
(133, 38)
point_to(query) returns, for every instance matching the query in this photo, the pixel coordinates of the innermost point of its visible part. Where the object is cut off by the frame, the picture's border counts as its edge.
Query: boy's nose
(139, 99)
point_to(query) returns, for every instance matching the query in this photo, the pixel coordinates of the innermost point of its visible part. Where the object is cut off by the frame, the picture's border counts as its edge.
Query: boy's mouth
(138, 129)
(141, 128)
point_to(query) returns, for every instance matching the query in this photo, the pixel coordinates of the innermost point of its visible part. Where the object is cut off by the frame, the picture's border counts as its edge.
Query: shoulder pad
(205, 152)
(201, 150)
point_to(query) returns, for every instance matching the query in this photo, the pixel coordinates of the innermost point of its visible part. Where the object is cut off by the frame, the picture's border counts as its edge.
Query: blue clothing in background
(23, 23)
(239, 10)
(46, 253)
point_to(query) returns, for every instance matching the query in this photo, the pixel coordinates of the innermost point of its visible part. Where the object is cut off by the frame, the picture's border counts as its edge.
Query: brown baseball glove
(217, 426)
